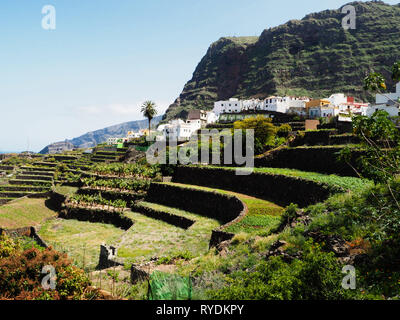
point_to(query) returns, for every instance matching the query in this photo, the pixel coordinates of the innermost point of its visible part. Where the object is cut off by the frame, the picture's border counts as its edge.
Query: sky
(106, 57)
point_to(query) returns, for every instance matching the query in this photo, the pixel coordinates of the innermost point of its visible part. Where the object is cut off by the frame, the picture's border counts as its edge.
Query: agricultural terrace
(126, 170)
(346, 183)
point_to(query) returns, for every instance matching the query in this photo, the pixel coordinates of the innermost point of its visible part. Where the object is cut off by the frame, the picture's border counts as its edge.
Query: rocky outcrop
(277, 249)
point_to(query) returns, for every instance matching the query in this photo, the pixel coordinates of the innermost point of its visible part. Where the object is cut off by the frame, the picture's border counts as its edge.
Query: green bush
(317, 276)
(284, 130)
(21, 274)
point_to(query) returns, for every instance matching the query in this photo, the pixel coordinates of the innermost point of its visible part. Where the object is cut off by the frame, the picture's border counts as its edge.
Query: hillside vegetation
(314, 56)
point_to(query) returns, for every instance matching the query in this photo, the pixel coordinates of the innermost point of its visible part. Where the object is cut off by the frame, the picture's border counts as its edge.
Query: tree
(380, 142)
(379, 136)
(264, 131)
(149, 110)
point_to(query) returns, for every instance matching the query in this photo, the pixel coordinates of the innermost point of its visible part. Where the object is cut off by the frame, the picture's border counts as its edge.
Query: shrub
(264, 131)
(284, 130)
(21, 274)
(316, 277)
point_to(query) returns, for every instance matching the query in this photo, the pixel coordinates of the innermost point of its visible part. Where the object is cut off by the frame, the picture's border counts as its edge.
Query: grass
(261, 217)
(347, 183)
(80, 240)
(150, 237)
(66, 190)
(24, 213)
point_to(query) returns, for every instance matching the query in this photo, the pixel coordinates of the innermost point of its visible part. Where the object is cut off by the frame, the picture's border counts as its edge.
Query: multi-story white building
(179, 130)
(251, 105)
(275, 104)
(283, 104)
(233, 105)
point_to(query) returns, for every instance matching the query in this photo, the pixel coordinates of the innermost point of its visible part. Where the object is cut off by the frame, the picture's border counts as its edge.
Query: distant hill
(314, 56)
(93, 138)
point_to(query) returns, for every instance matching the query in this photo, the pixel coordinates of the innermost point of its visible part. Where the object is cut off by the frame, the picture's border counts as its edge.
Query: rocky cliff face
(314, 56)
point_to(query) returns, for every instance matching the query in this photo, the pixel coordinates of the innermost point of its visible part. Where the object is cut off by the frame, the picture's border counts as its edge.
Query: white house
(133, 135)
(339, 98)
(392, 110)
(276, 104)
(384, 99)
(252, 104)
(387, 103)
(179, 130)
(233, 105)
(323, 111)
(283, 104)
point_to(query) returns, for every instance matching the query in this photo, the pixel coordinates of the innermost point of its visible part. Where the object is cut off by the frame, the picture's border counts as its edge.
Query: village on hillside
(338, 106)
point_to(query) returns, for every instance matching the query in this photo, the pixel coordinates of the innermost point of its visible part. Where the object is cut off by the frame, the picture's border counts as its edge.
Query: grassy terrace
(347, 183)
(262, 215)
(150, 237)
(24, 213)
(81, 240)
(65, 190)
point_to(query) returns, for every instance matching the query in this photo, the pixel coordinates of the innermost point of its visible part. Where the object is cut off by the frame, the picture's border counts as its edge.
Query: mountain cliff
(314, 56)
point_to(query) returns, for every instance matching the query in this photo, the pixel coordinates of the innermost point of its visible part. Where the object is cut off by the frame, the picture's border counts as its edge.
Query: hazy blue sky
(107, 56)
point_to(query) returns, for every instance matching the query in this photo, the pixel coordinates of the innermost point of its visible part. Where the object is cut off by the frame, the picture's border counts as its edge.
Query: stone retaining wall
(280, 189)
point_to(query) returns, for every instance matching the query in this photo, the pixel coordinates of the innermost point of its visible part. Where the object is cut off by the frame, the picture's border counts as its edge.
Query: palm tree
(149, 110)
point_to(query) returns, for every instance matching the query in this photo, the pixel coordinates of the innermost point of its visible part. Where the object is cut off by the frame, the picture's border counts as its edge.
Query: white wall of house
(323, 112)
(233, 105)
(133, 135)
(392, 110)
(179, 130)
(337, 99)
(283, 104)
(383, 99)
(211, 117)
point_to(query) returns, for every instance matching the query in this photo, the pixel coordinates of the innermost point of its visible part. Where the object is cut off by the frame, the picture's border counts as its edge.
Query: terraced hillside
(177, 226)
